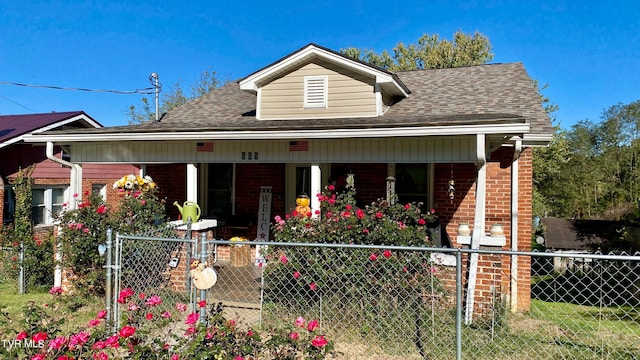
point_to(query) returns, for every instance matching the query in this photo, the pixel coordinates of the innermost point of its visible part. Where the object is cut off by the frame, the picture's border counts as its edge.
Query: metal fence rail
(397, 303)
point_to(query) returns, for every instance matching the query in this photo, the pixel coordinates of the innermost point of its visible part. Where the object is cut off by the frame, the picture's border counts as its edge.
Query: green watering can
(188, 210)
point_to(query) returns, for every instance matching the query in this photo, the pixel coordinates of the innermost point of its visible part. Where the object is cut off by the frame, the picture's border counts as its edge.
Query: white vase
(463, 229)
(496, 230)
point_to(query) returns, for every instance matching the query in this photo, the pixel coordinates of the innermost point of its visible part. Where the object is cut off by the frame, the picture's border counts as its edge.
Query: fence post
(203, 259)
(459, 304)
(107, 292)
(116, 286)
(21, 275)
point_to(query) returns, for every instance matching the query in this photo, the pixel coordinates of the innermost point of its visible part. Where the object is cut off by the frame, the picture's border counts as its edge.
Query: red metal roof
(12, 126)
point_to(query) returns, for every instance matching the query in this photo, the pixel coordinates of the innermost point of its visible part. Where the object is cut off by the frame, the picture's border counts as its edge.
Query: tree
(429, 53)
(173, 98)
(547, 161)
(595, 175)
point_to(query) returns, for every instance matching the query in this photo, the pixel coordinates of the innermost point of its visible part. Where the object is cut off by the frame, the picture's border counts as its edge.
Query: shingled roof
(474, 95)
(484, 94)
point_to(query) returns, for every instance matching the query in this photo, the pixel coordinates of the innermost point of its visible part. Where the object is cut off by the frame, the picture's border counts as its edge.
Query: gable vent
(315, 91)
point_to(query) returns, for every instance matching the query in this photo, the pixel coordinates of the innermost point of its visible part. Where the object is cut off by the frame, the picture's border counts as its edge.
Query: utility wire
(17, 103)
(121, 92)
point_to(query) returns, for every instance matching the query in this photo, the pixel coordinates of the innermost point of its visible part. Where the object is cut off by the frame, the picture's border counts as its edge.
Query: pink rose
(319, 341)
(313, 324)
(192, 318)
(127, 331)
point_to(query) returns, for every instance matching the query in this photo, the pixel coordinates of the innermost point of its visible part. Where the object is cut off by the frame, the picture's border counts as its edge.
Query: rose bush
(340, 221)
(84, 227)
(150, 333)
(352, 282)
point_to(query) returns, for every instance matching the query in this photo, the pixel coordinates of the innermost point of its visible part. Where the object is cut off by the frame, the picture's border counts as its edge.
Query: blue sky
(588, 52)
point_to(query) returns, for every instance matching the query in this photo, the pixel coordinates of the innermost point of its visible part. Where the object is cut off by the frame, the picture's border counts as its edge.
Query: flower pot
(463, 229)
(496, 230)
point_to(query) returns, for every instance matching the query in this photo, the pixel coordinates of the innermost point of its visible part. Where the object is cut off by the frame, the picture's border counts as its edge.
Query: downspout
(75, 178)
(76, 188)
(515, 167)
(478, 224)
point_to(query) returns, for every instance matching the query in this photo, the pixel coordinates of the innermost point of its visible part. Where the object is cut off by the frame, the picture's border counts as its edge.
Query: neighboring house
(52, 175)
(457, 139)
(588, 236)
(570, 236)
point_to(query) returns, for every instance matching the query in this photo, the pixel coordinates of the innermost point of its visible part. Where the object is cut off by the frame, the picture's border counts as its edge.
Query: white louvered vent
(315, 91)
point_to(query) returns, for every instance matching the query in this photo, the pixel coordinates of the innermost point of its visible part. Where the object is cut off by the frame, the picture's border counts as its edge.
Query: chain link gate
(152, 263)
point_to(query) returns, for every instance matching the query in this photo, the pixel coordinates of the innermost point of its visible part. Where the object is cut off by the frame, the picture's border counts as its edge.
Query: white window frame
(316, 92)
(9, 205)
(205, 191)
(48, 203)
(100, 189)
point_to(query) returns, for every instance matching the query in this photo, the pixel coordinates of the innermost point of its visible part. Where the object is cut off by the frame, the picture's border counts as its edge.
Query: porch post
(192, 183)
(515, 177)
(316, 187)
(478, 225)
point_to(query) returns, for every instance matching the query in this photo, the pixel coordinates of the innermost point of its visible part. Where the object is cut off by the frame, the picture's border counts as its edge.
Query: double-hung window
(46, 203)
(9, 205)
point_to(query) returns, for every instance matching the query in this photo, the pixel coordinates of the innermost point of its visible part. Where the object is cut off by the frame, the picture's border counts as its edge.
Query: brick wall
(494, 272)
(171, 180)
(493, 277)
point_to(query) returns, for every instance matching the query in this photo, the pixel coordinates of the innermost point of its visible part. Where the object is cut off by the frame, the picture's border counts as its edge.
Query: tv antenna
(155, 81)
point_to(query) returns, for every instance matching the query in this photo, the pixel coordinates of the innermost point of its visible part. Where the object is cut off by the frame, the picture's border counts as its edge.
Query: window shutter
(315, 91)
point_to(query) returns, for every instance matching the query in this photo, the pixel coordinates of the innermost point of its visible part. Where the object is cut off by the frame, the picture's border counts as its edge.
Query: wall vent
(315, 91)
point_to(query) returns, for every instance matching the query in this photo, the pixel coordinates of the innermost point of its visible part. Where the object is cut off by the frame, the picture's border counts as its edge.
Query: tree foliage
(591, 171)
(174, 97)
(430, 52)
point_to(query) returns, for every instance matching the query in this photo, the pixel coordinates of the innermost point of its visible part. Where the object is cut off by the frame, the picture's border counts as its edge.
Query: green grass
(76, 311)
(548, 331)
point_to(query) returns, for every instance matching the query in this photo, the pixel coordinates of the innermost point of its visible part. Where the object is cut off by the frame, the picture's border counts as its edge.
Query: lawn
(76, 311)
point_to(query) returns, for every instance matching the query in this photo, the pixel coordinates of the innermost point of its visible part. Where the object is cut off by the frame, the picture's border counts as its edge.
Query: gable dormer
(318, 83)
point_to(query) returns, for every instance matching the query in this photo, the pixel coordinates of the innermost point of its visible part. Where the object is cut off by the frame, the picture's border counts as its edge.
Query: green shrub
(85, 227)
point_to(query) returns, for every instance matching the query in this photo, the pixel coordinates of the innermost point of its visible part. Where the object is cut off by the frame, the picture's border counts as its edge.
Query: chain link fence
(155, 262)
(403, 302)
(30, 269)
(400, 303)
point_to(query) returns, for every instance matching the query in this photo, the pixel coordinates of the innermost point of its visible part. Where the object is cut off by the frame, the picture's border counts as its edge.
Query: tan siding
(349, 94)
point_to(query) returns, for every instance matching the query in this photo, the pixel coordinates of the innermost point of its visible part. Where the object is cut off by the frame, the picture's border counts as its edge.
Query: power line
(120, 92)
(17, 103)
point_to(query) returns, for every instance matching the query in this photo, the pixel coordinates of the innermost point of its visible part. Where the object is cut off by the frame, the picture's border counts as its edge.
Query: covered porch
(472, 179)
